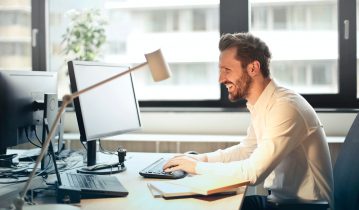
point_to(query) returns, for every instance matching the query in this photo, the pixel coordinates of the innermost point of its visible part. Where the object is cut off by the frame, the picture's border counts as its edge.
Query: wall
(226, 123)
(206, 123)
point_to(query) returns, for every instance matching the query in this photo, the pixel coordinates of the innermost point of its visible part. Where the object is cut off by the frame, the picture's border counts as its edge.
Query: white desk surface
(140, 197)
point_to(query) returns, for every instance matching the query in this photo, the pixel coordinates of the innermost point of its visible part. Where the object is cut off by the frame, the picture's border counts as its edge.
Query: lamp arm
(67, 99)
(19, 201)
(76, 94)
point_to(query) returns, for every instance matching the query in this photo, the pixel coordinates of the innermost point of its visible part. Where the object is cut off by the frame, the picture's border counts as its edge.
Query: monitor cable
(37, 137)
(18, 174)
(27, 136)
(104, 151)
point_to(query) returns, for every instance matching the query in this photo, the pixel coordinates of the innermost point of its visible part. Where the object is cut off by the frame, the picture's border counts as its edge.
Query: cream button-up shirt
(285, 147)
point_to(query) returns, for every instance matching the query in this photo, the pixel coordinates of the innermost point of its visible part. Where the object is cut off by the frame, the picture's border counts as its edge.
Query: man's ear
(254, 68)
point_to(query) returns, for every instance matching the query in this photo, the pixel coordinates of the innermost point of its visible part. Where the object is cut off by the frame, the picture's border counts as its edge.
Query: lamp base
(19, 204)
(109, 169)
(51, 207)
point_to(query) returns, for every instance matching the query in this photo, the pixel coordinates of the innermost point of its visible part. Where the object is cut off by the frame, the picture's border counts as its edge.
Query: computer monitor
(107, 110)
(25, 98)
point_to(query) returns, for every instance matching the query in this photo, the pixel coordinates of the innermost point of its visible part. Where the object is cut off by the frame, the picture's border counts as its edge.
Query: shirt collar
(264, 98)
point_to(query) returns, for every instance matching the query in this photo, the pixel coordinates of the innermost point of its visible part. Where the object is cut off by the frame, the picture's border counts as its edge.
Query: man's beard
(242, 85)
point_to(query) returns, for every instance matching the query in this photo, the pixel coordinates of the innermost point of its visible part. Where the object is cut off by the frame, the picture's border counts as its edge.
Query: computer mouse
(191, 153)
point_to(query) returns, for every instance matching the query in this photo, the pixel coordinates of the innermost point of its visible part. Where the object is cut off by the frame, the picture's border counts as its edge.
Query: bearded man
(285, 146)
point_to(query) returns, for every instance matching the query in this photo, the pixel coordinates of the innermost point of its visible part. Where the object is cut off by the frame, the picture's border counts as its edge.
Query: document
(197, 185)
(165, 189)
(155, 193)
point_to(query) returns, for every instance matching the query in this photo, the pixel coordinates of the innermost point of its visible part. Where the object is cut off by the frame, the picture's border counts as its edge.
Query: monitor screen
(20, 119)
(107, 110)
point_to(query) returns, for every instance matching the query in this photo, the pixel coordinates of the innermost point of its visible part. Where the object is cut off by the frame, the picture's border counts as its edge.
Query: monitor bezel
(35, 91)
(77, 102)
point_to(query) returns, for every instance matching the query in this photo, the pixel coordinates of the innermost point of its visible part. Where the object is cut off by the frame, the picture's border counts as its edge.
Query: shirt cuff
(214, 156)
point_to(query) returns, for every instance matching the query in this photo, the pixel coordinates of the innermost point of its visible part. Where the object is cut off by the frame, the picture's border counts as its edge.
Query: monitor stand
(101, 169)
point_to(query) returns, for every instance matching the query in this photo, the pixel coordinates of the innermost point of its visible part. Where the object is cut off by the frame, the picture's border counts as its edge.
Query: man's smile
(229, 86)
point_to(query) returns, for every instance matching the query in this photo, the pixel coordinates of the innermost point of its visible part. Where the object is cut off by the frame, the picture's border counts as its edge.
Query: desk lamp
(159, 70)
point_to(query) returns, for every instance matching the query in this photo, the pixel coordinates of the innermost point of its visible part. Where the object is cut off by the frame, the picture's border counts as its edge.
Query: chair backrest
(346, 171)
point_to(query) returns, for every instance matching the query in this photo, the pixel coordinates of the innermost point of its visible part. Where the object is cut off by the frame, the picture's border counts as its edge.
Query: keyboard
(85, 181)
(90, 185)
(155, 170)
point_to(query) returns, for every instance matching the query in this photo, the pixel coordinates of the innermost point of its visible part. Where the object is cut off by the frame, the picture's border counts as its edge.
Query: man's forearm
(203, 157)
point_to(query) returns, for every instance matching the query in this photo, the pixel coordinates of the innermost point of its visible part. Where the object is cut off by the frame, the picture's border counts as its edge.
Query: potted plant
(83, 40)
(84, 35)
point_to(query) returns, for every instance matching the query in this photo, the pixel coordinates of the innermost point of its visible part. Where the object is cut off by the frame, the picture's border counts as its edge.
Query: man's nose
(221, 78)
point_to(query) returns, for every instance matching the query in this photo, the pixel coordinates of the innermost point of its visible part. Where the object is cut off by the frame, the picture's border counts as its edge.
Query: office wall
(226, 123)
(218, 123)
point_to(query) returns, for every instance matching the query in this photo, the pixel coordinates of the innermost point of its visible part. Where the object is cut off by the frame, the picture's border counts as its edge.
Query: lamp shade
(158, 66)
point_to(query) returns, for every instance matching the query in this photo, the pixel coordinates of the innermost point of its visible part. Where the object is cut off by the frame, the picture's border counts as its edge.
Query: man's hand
(186, 163)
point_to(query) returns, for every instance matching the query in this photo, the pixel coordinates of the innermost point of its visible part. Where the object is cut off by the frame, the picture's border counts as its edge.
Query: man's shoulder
(288, 101)
(285, 95)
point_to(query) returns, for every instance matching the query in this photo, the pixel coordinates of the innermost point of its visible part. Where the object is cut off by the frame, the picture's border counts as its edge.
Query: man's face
(233, 75)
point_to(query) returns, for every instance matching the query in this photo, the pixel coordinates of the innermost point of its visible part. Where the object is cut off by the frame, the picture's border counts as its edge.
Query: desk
(141, 198)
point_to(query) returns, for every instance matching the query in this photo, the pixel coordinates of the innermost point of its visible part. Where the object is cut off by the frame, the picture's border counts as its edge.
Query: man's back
(306, 170)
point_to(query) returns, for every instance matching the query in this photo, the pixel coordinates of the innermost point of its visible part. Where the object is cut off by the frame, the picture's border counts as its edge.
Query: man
(285, 144)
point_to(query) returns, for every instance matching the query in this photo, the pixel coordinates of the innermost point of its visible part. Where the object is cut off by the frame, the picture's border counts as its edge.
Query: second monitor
(109, 110)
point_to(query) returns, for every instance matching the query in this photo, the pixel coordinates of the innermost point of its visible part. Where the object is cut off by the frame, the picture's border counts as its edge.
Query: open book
(198, 184)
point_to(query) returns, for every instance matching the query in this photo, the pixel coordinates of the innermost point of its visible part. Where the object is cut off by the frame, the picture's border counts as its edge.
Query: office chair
(346, 178)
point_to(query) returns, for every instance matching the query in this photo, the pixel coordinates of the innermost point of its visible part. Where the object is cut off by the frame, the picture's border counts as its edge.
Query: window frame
(235, 17)
(38, 35)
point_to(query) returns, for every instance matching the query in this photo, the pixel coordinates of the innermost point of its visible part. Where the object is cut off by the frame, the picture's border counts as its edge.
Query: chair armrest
(298, 204)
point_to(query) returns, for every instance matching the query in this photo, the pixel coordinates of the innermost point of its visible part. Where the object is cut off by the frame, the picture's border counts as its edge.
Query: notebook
(167, 190)
(197, 185)
(209, 184)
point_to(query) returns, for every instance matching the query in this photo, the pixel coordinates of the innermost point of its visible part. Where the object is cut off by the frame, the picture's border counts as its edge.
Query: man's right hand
(186, 162)
(199, 157)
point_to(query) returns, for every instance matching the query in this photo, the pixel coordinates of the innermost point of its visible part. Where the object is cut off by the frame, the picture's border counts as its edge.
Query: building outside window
(186, 31)
(302, 35)
(15, 35)
(303, 38)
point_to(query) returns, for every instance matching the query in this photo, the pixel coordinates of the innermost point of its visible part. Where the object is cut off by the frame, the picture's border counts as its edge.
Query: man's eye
(225, 71)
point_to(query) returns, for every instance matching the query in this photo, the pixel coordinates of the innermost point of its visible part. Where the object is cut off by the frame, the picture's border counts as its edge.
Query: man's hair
(249, 49)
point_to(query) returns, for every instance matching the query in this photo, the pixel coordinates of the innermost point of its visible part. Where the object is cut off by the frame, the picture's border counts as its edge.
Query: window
(260, 18)
(300, 37)
(279, 15)
(313, 45)
(15, 35)
(187, 32)
(199, 20)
